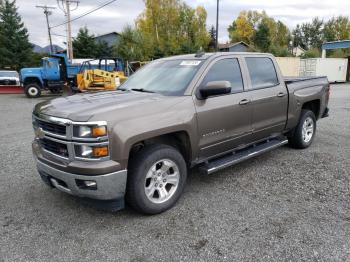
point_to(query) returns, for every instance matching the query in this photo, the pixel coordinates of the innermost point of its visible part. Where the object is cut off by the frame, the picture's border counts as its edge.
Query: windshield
(8, 74)
(167, 77)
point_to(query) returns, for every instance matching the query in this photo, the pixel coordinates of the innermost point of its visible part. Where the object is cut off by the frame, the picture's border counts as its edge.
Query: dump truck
(55, 72)
(52, 75)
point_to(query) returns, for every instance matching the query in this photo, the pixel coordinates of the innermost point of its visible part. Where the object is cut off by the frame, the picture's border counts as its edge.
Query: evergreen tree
(132, 45)
(15, 49)
(262, 37)
(298, 39)
(212, 34)
(84, 45)
(260, 31)
(103, 49)
(309, 35)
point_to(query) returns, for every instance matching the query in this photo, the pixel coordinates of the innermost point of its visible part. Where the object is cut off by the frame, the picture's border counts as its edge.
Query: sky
(117, 15)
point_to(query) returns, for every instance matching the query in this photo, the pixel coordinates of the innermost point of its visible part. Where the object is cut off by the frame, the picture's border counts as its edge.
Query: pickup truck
(9, 78)
(137, 143)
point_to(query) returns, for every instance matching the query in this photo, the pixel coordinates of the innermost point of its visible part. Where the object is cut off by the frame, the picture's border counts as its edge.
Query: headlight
(90, 131)
(86, 151)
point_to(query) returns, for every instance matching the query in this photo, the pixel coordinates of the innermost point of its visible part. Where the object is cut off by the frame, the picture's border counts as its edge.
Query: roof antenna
(200, 52)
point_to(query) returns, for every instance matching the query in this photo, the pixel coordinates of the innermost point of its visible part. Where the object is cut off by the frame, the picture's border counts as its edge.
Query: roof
(205, 56)
(228, 45)
(336, 44)
(110, 33)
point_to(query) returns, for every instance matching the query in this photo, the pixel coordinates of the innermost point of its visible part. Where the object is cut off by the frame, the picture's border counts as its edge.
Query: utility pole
(69, 31)
(66, 8)
(217, 26)
(47, 12)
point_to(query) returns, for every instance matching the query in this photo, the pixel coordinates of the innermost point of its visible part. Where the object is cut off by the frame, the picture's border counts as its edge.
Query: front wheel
(32, 90)
(304, 132)
(156, 179)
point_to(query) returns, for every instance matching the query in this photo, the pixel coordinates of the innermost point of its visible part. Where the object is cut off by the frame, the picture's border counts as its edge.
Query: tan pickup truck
(205, 110)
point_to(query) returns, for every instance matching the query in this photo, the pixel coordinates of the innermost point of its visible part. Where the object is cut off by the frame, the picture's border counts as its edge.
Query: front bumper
(109, 186)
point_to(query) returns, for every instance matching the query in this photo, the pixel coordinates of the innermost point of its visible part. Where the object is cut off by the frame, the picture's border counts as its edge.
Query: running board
(241, 155)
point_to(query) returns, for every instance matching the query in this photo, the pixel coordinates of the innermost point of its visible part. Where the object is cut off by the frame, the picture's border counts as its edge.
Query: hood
(33, 70)
(82, 107)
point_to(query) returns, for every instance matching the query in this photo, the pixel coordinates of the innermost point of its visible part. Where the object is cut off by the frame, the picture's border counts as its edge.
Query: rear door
(269, 97)
(224, 122)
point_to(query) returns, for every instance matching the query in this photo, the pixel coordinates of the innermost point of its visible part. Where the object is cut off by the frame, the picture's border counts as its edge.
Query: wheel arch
(31, 80)
(179, 140)
(314, 106)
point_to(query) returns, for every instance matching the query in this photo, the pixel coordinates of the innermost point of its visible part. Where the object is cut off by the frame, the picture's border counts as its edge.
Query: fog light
(90, 183)
(100, 151)
(86, 184)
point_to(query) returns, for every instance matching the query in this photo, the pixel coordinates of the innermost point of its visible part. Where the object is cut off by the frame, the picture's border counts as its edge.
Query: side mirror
(215, 88)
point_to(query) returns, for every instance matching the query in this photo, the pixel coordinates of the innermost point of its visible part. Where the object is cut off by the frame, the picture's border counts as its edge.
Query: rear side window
(262, 72)
(226, 70)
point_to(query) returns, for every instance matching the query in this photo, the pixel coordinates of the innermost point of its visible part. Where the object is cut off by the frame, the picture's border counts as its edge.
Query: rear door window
(262, 72)
(226, 70)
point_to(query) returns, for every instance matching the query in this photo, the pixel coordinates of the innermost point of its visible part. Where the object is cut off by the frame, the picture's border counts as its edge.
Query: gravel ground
(286, 205)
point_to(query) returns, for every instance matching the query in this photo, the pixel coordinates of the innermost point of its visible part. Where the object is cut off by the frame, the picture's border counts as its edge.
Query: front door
(51, 69)
(224, 122)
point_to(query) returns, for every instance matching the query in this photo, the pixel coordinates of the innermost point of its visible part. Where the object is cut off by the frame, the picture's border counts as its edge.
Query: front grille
(52, 128)
(54, 147)
(8, 82)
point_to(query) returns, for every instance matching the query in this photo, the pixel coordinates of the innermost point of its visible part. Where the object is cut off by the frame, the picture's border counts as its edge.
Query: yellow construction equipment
(97, 79)
(100, 74)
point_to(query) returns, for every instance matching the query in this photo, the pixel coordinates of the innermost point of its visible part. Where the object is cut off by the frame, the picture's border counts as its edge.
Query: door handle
(244, 102)
(281, 94)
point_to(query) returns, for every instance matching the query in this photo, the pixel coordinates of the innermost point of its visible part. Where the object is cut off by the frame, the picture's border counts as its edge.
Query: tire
(32, 90)
(305, 131)
(150, 170)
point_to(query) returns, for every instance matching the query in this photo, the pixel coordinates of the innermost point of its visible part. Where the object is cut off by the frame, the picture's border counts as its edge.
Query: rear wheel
(156, 179)
(32, 90)
(304, 132)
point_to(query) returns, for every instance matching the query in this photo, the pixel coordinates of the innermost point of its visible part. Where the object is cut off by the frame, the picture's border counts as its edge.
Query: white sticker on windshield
(190, 63)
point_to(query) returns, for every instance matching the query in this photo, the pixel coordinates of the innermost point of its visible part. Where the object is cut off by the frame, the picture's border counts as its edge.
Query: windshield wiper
(141, 90)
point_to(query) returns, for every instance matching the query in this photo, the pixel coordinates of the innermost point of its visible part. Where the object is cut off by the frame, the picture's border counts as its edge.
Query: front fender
(135, 130)
(31, 74)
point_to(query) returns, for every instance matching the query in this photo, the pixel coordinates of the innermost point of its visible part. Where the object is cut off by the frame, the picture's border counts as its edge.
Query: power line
(47, 13)
(58, 35)
(85, 14)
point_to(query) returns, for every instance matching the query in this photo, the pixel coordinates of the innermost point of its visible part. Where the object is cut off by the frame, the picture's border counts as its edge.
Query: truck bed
(302, 90)
(293, 79)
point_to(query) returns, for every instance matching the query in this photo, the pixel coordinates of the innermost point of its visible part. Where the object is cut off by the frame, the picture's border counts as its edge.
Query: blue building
(111, 38)
(234, 47)
(337, 45)
(334, 45)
